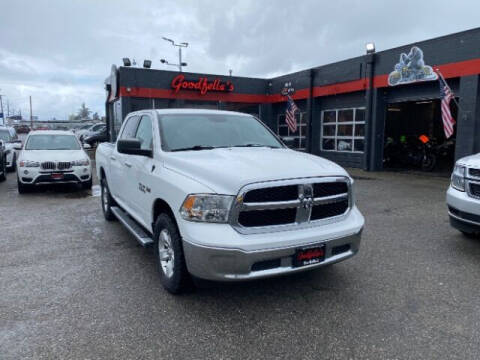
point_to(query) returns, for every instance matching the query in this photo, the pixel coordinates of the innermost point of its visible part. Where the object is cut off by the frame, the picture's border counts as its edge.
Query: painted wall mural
(411, 68)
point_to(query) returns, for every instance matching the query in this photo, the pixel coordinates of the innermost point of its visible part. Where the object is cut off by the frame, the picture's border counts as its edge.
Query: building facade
(348, 110)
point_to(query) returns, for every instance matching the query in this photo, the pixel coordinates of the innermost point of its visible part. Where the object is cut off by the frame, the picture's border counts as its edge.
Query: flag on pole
(446, 95)
(290, 114)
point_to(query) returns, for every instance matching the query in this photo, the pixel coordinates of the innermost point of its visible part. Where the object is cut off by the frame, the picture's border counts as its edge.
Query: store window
(299, 137)
(343, 130)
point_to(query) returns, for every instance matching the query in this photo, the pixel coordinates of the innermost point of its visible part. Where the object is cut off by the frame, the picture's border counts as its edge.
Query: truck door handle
(127, 164)
(113, 158)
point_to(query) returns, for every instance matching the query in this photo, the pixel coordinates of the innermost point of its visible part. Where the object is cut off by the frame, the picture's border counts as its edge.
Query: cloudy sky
(60, 51)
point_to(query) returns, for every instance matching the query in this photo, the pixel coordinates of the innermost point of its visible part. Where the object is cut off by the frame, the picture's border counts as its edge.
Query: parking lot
(74, 286)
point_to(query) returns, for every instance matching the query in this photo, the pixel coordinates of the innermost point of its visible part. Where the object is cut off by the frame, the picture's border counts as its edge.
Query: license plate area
(309, 256)
(56, 176)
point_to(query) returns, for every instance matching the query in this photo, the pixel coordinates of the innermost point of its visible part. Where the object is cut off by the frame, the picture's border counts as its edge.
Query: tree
(84, 112)
(95, 116)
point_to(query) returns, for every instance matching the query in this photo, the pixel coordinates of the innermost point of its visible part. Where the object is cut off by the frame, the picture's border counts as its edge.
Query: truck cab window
(130, 128)
(144, 133)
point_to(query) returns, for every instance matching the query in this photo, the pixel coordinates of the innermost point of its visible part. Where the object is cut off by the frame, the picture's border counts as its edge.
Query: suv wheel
(169, 254)
(87, 185)
(4, 170)
(107, 201)
(22, 188)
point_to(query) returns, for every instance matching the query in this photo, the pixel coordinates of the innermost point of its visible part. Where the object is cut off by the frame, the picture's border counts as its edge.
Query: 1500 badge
(143, 188)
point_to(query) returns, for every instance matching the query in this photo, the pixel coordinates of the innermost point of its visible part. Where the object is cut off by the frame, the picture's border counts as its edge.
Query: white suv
(53, 157)
(463, 196)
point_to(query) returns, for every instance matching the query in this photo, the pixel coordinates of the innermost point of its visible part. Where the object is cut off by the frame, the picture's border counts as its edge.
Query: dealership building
(348, 109)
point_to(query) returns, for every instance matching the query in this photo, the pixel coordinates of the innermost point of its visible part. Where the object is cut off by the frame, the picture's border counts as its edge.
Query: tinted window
(214, 130)
(144, 133)
(5, 135)
(97, 127)
(130, 128)
(52, 142)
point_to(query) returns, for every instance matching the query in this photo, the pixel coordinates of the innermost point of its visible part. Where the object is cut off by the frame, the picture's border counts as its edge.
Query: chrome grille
(64, 165)
(290, 204)
(48, 165)
(474, 172)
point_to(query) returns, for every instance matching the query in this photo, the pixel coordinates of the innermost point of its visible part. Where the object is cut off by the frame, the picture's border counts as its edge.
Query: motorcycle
(411, 151)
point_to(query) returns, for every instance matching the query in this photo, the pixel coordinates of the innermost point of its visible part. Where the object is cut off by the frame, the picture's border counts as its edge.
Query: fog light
(26, 172)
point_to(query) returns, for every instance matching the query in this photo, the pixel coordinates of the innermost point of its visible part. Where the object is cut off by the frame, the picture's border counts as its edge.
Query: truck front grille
(475, 189)
(292, 203)
(474, 172)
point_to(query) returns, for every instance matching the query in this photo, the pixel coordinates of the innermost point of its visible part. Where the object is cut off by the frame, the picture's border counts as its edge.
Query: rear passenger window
(144, 133)
(130, 128)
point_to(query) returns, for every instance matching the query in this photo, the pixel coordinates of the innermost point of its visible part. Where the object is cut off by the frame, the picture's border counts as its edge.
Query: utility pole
(1, 109)
(31, 116)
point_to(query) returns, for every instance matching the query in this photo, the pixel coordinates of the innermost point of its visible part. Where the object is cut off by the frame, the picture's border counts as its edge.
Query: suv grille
(474, 172)
(292, 203)
(63, 165)
(48, 165)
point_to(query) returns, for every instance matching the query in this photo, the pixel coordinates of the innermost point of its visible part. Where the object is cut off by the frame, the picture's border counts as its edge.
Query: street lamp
(179, 45)
(370, 47)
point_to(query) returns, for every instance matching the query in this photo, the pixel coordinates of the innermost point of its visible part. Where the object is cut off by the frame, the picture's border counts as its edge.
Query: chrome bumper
(221, 264)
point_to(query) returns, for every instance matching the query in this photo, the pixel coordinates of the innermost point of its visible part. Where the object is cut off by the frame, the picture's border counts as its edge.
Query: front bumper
(269, 254)
(34, 176)
(463, 210)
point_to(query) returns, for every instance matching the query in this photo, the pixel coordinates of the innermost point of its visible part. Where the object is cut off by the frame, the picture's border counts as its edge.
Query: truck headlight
(28, 163)
(207, 208)
(84, 162)
(458, 177)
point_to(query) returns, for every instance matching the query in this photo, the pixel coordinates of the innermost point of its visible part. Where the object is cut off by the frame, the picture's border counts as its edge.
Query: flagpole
(445, 82)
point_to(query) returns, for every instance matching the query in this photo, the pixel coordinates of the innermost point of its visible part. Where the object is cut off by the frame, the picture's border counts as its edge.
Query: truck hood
(226, 170)
(470, 161)
(52, 155)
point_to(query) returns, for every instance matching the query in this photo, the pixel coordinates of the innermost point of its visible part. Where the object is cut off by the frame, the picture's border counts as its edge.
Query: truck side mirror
(132, 147)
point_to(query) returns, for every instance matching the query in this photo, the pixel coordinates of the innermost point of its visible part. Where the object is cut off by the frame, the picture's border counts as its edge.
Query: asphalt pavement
(73, 286)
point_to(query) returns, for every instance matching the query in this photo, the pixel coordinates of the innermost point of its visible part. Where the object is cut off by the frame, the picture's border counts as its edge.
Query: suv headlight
(28, 163)
(207, 208)
(458, 177)
(84, 162)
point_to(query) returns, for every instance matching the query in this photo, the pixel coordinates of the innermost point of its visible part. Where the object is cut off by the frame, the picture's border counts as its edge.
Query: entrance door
(414, 127)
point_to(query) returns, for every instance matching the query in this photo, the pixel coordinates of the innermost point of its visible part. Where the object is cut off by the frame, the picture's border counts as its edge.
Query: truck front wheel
(107, 201)
(169, 254)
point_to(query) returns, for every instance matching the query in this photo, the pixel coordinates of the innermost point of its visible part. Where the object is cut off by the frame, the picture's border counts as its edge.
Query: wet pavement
(73, 286)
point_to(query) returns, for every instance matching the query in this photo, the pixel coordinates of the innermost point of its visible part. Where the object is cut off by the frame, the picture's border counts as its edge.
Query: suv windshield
(209, 131)
(5, 135)
(52, 142)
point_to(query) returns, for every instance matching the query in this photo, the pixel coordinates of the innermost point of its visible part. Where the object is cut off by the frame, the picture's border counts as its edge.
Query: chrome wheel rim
(165, 252)
(105, 197)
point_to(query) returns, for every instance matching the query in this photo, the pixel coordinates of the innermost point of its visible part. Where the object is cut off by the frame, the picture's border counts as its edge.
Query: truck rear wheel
(168, 250)
(107, 201)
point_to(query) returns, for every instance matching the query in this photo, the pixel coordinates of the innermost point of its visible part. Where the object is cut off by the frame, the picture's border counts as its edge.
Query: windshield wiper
(195, 147)
(256, 145)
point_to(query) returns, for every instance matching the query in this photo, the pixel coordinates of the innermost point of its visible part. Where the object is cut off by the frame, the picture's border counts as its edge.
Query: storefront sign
(202, 85)
(411, 68)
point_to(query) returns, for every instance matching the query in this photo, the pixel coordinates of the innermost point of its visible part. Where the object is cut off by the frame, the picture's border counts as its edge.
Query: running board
(142, 237)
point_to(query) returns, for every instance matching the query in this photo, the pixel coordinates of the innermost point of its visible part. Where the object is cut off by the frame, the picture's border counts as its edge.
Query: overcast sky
(60, 51)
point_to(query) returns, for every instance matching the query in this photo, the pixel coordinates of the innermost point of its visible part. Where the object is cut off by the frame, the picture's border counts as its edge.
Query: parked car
(220, 197)
(3, 162)
(52, 157)
(96, 138)
(463, 196)
(21, 129)
(83, 127)
(89, 131)
(11, 144)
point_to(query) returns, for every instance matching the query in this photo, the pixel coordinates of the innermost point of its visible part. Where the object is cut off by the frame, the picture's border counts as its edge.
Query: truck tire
(14, 163)
(107, 201)
(168, 251)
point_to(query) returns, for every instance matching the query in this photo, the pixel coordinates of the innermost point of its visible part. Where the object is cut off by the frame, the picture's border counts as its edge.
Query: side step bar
(142, 237)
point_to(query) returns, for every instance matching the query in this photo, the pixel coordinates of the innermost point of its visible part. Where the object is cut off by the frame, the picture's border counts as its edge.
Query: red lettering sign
(202, 85)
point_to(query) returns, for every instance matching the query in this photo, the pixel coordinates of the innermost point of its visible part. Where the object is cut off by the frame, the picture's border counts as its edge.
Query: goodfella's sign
(202, 85)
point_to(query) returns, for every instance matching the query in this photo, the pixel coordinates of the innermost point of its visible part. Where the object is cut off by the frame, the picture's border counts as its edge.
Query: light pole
(180, 46)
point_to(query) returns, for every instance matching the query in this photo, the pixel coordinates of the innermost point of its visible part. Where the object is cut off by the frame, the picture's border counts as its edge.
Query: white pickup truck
(220, 197)
(463, 196)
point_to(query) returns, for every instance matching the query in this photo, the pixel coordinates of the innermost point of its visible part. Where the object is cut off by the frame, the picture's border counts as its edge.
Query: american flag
(446, 96)
(290, 114)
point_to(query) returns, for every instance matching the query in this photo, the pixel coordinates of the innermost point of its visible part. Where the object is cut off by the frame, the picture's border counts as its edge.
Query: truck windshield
(208, 131)
(52, 142)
